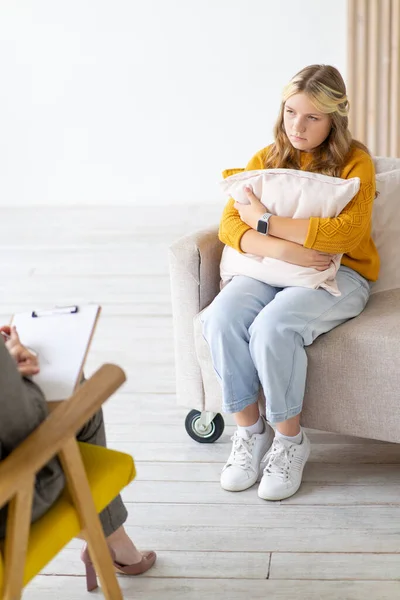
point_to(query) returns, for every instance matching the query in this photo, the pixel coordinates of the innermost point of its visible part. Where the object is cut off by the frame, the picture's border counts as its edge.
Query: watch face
(262, 226)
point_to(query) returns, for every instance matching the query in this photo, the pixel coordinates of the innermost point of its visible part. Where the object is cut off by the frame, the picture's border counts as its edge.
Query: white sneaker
(243, 467)
(285, 463)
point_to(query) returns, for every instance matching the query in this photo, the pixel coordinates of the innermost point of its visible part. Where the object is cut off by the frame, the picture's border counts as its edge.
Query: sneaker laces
(241, 455)
(278, 460)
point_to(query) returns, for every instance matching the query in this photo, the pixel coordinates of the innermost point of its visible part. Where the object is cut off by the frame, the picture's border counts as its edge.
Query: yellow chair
(94, 476)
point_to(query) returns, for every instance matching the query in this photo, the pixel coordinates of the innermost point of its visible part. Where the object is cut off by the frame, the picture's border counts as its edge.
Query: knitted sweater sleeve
(342, 234)
(232, 228)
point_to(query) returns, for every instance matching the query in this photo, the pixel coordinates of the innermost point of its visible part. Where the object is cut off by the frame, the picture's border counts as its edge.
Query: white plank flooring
(337, 539)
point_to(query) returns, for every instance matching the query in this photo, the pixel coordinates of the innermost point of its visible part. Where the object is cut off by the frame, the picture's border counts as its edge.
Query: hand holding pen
(26, 359)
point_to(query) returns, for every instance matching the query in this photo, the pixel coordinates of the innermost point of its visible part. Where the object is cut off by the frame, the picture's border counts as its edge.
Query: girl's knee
(220, 318)
(267, 327)
(215, 324)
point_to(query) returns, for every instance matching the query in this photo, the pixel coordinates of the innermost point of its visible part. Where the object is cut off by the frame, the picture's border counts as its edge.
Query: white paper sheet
(61, 341)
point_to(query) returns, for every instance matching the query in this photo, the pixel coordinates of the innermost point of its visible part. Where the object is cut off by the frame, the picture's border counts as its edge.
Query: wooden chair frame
(56, 436)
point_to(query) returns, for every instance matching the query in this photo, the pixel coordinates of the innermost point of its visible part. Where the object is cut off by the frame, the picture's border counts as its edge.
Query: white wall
(107, 101)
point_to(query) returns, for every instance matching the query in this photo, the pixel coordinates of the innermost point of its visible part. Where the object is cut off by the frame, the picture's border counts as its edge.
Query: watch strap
(263, 223)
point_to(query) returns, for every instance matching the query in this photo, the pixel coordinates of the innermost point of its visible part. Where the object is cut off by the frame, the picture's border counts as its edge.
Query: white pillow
(288, 193)
(386, 222)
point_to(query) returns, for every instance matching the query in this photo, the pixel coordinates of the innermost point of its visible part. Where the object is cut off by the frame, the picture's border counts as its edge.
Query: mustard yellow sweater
(348, 234)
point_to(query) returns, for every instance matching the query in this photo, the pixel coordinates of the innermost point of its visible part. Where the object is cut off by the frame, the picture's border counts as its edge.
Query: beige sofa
(353, 379)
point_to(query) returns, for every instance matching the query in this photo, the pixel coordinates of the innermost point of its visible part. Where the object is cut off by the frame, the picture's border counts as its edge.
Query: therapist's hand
(27, 362)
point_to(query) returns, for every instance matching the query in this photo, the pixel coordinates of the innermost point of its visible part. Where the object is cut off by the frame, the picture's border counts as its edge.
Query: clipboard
(61, 337)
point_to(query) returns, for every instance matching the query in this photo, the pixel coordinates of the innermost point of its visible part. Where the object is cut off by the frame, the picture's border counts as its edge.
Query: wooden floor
(338, 538)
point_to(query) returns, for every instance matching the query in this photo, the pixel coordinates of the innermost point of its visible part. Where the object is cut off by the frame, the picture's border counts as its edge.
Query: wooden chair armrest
(63, 423)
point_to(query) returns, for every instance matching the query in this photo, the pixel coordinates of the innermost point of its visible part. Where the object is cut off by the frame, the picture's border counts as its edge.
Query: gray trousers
(22, 408)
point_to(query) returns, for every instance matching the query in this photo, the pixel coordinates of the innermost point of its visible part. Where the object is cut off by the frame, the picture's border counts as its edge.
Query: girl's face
(305, 126)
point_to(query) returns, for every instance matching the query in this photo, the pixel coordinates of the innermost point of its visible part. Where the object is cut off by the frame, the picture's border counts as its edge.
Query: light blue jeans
(257, 334)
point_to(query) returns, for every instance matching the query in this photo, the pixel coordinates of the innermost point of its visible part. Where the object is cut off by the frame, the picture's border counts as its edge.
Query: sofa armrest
(195, 258)
(194, 270)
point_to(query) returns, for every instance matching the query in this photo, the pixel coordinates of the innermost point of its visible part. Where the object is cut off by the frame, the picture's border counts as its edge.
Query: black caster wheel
(201, 434)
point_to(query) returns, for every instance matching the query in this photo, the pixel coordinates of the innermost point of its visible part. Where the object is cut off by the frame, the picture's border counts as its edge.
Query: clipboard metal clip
(57, 310)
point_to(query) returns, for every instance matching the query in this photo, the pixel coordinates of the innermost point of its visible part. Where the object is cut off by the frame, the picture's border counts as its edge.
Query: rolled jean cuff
(239, 405)
(279, 417)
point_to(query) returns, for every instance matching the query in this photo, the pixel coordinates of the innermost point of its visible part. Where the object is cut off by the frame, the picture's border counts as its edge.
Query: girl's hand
(250, 213)
(305, 257)
(290, 252)
(27, 362)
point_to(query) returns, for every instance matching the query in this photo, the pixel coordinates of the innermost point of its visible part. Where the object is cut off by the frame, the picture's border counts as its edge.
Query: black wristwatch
(263, 223)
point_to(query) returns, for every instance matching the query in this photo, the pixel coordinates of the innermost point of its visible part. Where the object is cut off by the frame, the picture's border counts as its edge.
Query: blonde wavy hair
(326, 89)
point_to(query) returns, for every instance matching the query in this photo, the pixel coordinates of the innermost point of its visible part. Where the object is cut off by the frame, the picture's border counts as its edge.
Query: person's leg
(226, 322)
(290, 427)
(279, 333)
(22, 405)
(115, 514)
(278, 337)
(22, 409)
(226, 325)
(248, 416)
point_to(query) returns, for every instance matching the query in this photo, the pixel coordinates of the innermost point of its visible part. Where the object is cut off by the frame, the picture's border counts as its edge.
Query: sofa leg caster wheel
(204, 427)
